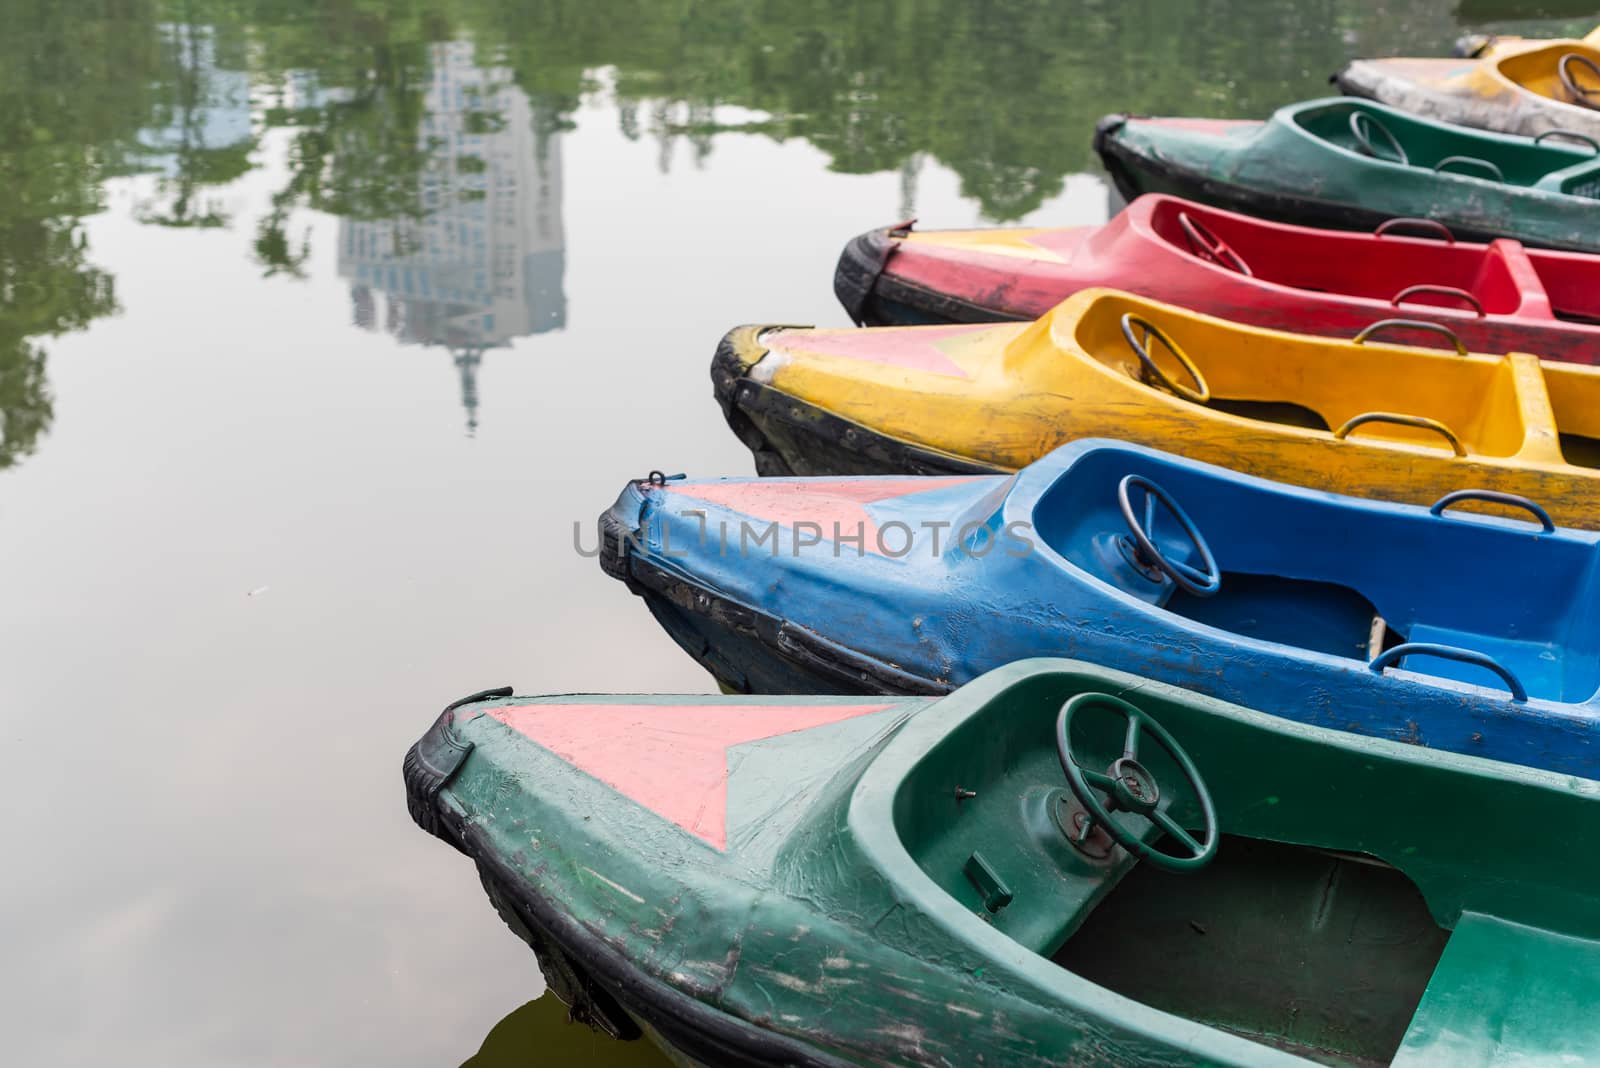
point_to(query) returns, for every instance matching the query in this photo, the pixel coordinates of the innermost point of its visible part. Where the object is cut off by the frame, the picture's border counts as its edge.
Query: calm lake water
(322, 324)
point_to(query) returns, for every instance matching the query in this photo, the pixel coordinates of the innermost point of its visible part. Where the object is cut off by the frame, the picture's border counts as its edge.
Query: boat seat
(1579, 180)
(1506, 994)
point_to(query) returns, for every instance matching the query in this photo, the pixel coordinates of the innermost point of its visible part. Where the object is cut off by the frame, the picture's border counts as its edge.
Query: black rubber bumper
(736, 353)
(875, 295)
(1108, 149)
(707, 624)
(856, 275)
(1340, 80)
(789, 436)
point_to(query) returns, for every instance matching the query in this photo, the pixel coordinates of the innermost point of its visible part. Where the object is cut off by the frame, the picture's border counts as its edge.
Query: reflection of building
(485, 262)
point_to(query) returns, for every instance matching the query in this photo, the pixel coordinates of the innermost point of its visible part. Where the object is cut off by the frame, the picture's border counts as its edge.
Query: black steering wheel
(1207, 245)
(1581, 94)
(1199, 394)
(1129, 787)
(1200, 581)
(1358, 119)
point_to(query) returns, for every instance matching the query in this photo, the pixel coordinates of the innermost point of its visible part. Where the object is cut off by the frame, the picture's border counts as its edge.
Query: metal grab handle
(1202, 242)
(1356, 118)
(1421, 422)
(1442, 291)
(1495, 497)
(1570, 84)
(1431, 225)
(1493, 171)
(1413, 324)
(1390, 657)
(1575, 135)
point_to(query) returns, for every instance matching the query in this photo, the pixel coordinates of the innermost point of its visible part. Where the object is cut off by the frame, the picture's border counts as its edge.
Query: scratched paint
(830, 506)
(1291, 632)
(849, 928)
(1217, 127)
(935, 350)
(1516, 89)
(1303, 164)
(1301, 279)
(1072, 375)
(671, 760)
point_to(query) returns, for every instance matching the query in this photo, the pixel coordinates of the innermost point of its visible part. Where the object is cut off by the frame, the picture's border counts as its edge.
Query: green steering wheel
(1129, 787)
(1362, 125)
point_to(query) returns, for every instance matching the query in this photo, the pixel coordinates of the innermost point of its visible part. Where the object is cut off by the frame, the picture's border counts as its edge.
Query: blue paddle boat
(1442, 626)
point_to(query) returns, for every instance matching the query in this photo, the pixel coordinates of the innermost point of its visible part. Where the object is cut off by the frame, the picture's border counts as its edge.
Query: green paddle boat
(1356, 164)
(1056, 864)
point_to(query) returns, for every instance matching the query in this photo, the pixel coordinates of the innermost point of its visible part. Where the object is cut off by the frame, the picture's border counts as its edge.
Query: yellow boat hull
(997, 397)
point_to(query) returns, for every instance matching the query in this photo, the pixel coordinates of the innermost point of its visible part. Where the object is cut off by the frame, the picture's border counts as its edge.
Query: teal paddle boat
(1056, 864)
(1354, 164)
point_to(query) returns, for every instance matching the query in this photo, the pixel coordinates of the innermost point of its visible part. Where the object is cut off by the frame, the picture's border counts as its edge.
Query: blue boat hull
(798, 620)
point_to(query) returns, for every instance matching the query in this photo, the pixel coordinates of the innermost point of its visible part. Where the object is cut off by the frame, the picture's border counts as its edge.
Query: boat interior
(1291, 573)
(1389, 136)
(1576, 407)
(1334, 262)
(1347, 927)
(1571, 282)
(1467, 404)
(1540, 70)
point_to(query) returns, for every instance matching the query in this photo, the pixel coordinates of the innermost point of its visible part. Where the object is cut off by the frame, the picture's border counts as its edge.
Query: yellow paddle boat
(1543, 89)
(1365, 416)
(1484, 45)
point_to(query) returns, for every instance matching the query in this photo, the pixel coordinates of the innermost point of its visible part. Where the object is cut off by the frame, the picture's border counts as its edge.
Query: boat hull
(788, 436)
(765, 616)
(744, 648)
(1325, 282)
(875, 296)
(1480, 45)
(601, 986)
(1280, 170)
(856, 403)
(767, 882)
(1135, 173)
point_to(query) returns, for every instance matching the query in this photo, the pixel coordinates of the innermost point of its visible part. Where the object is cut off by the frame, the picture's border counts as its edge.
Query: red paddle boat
(1498, 297)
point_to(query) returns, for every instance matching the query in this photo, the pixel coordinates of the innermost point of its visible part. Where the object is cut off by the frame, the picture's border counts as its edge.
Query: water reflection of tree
(543, 1033)
(191, 155)
(73, 95)
(1005, 93)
